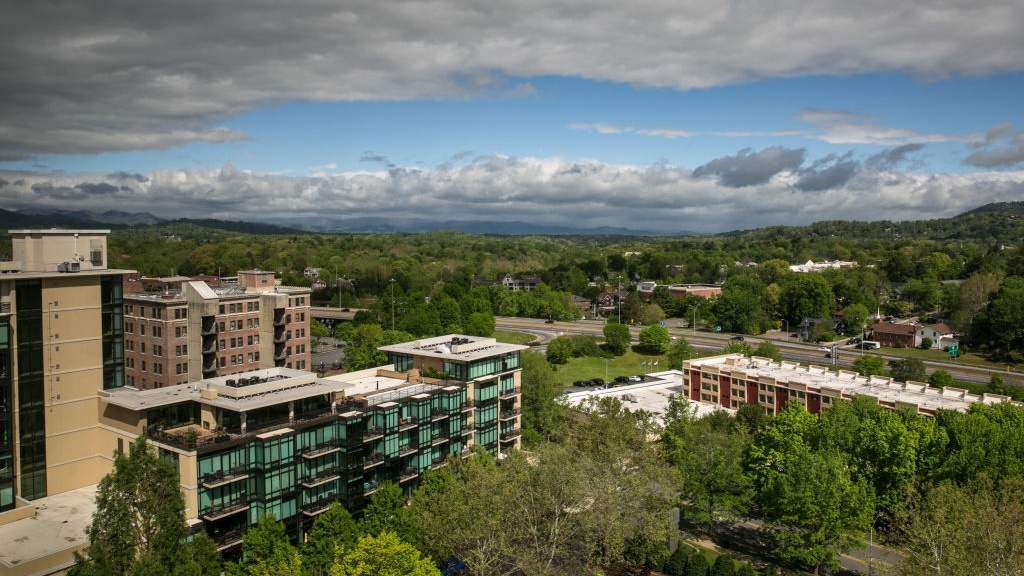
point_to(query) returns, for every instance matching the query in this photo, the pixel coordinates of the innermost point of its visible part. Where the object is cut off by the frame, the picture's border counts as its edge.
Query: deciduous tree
(382, 555)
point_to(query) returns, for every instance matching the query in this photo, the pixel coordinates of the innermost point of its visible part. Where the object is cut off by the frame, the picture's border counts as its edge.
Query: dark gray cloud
(1010, 154)
(91, 76)
(373, 158)
(748, 169)
(127, 176)
(892, 158)
(827, 173)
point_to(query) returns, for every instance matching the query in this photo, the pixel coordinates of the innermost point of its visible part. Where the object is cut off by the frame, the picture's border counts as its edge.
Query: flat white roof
(650, 396)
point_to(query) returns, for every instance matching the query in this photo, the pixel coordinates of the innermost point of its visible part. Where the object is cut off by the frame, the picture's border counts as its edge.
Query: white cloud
(844, 127)
(128, 76)
(583, 194)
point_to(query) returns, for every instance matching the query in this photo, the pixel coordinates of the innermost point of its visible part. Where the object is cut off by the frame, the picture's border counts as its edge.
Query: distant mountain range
(50, 218)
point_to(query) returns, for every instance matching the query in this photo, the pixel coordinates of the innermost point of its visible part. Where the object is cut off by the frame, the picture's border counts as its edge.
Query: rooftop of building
(237, 392)
(57, 526)
(455, 347)
(652, 395)
(225, 291)
(847, 383)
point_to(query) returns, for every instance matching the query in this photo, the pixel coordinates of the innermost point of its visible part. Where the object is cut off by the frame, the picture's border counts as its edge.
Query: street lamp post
(618, 296)
(695, 308)
(392, 282)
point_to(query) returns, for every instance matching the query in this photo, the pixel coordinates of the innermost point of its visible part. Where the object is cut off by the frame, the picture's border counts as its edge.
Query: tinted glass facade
(31, 415)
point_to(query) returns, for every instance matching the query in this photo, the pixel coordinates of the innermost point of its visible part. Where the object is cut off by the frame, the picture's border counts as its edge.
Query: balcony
(224, 510)
(372, 460)
(437, 439)
(318, 507)
(468, 405)
(322, 450)
(509, 414)
(281, 355)
(369, 487)
(280, 338)
(407, 423)
(467, 430)
(328, 475)
(510, 393)
(225, 477)
(279, 318)
(407, 474)
(486, 403)
(373, 433)
(408, 450)
(229, 539)
(210, 367)
(438, 414)
(210, 348)
(511, 435)
(209, 327)
(438, 462)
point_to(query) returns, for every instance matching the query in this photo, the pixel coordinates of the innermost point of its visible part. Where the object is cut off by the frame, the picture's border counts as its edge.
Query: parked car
(736, 338)
(581, 383)
(597, 382)
(549, 321)
(622, 379)
(854, 340)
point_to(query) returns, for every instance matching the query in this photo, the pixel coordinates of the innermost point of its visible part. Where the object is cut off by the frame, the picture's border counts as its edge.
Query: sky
(660, 115)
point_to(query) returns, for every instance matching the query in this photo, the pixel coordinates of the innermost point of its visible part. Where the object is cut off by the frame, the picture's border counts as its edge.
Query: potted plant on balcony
(222, 435)
(192, 437)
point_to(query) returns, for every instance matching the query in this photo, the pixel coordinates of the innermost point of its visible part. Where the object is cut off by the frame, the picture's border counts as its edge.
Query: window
(154, 313)
(143, 365)
(142, 346)
(142, 329)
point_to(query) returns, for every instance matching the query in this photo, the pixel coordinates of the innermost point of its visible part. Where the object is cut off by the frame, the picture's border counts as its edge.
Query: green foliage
(543, 414)
(680, 351)
(332, 529)
(907, 369)
(723, 566)
(676, 564)
(940, 379)
(768, 349)
(738, 348)
(266, 551)
(361, 348)
(140, 519)
(559, 350)
(869, 365)
(654, 339)
(382, 555)
(386, 511)
(805, 296)
(697, 565)
(617, 338)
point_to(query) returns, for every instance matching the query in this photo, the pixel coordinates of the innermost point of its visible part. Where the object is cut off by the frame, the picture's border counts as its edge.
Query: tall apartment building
(732, 380)
(187, 330)
(60, 343)
(283, 441)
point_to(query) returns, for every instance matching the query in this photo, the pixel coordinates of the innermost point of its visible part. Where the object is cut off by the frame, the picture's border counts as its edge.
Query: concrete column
(243, 423)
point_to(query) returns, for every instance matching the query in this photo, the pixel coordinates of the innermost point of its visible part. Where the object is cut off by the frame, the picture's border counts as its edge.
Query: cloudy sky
(697, 115)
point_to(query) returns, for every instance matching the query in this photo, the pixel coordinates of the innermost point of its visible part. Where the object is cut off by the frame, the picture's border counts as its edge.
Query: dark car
(736, 338)
(622, 379)
(581, 383)
(549, 321)
(597, 382)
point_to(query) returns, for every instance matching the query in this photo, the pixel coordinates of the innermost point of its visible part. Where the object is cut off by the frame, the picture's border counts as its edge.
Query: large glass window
(31, 418)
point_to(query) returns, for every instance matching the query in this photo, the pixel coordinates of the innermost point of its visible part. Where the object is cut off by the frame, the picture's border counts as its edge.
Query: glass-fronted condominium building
(284, 441)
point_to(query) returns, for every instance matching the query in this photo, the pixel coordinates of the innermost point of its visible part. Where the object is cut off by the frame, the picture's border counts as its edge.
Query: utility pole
(392, 282)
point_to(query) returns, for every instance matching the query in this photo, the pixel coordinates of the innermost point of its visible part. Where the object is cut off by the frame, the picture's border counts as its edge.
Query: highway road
(789, 347)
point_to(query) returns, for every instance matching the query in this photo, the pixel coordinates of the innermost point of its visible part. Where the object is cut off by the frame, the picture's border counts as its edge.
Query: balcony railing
(372, 460)
(229, 539)
(372, 434)
(407, 474)
(323, 477)
(408, 449)
(369, 487)
(322, 449)
(318, 507)
(511, 435)
(468, 405)
(406, 423)
(509, 414)
(225, 477)
(467, 430)
(224, 510)
(438, 461)
(510, 393)
(439, 438)
(438, 414)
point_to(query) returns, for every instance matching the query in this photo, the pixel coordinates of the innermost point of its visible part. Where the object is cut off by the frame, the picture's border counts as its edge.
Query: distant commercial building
(707, 291)
(812, 266)
(732, 380)
(286, 442)
(186, 330)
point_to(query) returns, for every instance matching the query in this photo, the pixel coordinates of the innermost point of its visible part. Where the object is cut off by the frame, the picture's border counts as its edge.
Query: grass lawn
(590, 367)
(507, 337)
(942, 356)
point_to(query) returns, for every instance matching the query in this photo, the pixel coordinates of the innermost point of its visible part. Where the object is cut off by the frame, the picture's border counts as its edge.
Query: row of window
(252, 339)
(237, 307)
